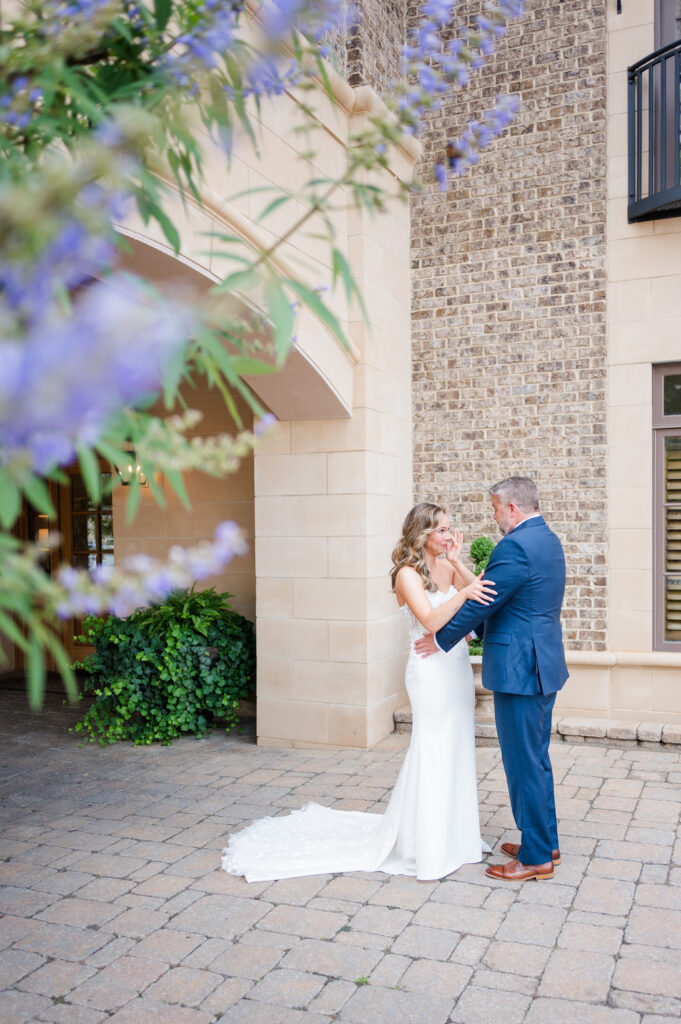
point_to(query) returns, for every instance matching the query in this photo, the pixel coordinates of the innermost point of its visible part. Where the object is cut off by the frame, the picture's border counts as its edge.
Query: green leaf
(176, 481)
(162, 11)
(38, 494)
(274, 205)
(341, 268)
(248, 367)
(35, 672)
(57, 651)
(320, 309)
(282, 316)
(241, 280)
(133, 500)
(92, 476)
(10, 500)
(9, 627)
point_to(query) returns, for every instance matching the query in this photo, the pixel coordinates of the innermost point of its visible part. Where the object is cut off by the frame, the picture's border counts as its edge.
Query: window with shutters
(667, 429)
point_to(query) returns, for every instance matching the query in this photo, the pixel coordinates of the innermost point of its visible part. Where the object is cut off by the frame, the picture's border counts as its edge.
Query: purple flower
(441, 176)
(69, 374)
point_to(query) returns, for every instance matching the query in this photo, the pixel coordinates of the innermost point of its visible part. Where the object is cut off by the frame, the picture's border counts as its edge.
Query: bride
(431, 825)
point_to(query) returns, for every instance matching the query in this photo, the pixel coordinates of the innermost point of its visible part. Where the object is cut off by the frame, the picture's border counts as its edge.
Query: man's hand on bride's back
(481, 590)
(425, 646)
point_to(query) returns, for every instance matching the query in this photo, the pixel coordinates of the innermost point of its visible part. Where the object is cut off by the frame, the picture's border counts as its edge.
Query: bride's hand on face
(454, 547)
(481, 590)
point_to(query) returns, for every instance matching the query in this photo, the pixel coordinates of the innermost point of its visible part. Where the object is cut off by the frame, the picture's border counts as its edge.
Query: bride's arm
(462, 574)
(409, 586)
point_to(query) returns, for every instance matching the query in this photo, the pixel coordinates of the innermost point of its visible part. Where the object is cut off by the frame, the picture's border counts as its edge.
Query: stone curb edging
(580, 730)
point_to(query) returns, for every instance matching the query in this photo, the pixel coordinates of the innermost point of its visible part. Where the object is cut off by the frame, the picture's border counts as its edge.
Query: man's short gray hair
(520, 490)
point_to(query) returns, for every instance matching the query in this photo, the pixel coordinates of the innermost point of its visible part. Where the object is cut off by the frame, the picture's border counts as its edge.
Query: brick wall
(374, 43)
(509, 331)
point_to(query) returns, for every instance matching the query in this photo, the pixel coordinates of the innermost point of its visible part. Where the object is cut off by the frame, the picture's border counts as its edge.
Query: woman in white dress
(431, 825)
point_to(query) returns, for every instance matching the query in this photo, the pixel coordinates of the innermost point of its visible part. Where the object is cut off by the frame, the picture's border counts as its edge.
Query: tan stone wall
(155, 530)
(509, 276)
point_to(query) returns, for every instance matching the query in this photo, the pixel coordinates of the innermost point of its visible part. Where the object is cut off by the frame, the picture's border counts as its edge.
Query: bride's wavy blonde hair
(419, 523)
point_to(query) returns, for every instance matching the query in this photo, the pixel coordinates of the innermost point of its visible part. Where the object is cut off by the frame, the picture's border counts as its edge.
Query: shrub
(481, 549)
(175, 668)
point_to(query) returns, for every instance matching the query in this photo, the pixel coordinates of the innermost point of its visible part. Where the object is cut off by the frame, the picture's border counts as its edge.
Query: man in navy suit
(523, 662)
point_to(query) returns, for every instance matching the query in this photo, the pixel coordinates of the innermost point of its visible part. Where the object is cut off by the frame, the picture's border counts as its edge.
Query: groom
(524, 664)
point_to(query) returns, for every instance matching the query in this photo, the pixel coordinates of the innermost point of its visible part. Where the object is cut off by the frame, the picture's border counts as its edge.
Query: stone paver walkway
(114, 907)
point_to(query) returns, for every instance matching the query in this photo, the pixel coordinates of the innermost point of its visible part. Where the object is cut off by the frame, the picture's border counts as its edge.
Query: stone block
(671, 733)
(622, 731)
(592, 727)
(649, 732)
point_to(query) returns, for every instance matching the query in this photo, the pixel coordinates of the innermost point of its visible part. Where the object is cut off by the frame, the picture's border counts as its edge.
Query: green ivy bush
(176, 668)
(481, 549)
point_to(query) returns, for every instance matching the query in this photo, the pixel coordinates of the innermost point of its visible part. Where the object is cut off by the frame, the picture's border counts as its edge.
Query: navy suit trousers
(524, 730)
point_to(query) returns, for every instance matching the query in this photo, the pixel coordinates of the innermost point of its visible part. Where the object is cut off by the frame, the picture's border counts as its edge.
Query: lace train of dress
(431, 825)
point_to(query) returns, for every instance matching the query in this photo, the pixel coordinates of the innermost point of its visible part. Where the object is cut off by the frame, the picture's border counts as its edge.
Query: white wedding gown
(430, 826)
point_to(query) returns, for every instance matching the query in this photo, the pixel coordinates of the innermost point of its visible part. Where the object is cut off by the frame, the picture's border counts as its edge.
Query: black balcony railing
(655, 135)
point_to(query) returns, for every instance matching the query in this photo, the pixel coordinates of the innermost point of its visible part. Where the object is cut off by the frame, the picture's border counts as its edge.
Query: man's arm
(509, 568)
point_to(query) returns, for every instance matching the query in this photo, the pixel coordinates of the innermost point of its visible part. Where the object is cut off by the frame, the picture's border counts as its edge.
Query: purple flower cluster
(310, 17)
(143, 580)
(431, 65)
(464, 152)
(63, 380)
(203, 46)
(20, 103)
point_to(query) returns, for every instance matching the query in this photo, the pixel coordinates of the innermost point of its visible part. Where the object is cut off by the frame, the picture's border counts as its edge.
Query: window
(667, 469)
(667, 22)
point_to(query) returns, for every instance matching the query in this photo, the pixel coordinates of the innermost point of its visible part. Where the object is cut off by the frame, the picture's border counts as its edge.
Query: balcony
(654, 124)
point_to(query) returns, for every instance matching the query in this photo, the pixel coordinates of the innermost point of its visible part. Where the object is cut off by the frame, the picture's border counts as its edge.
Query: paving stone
(568, 1011)
(469, 950)
(650, 732)
(315, 924)
(220, 916)
(79, 913)
(295, 989)
(461, 893)
(56, 978)
(516, 958)
(104, 889)
(468, 920)
(381, 920)
(245, 961)
(66, 1013)
(63, 942)
(537, 925)
(572, 974)
(390, 970)
(647, 853)
(296, 891)
(151, 1011)
(118, 983)
(22, 1007)
(226, 994)
(16, 964)
(248, 1011)
(331, 959)
(627, 870)
(604, 896)
(433, 943)
(482, 1005)
(110, 865)
(333, 997)
(21, 902)
(356, 890)
(642, 1003)
(648, 976)
(590, 937)
(111, 951)
(486, 979)
(161, 885)
(386, 1006)
(184, 985)
(652, 926)
(432, 977)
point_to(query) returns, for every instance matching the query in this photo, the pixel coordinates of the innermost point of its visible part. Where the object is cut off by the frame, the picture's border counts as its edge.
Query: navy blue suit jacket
(523, 644)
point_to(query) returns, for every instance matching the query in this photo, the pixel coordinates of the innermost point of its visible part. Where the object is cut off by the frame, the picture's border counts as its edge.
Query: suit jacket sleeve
(509, 569)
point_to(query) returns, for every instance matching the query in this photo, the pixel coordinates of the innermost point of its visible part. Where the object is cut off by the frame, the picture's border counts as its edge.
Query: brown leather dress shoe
(513, 849)
(514, 871)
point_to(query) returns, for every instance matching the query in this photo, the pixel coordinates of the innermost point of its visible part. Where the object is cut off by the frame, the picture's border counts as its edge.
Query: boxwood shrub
(176, 668)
